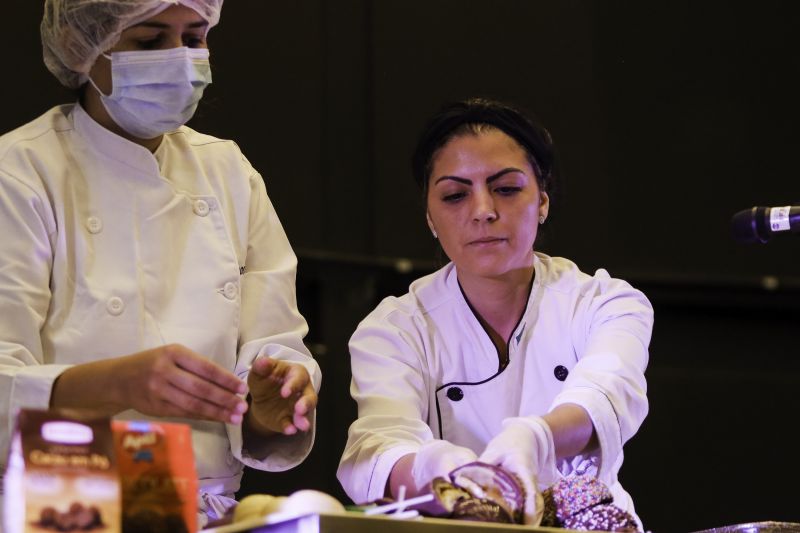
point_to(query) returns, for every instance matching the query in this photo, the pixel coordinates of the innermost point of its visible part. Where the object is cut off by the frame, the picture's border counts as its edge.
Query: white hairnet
(75, 32)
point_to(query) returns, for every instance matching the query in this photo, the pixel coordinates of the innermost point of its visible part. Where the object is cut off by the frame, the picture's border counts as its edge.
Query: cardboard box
(61, 474)
(157, 476)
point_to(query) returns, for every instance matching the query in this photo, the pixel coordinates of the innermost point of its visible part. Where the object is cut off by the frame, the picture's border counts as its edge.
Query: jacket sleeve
(390, 383)
(270, 323)
(611, 333)
(27, 222)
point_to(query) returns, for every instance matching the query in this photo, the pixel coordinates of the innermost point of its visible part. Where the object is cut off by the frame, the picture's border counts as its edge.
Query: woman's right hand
(437, 458)
(170, 380)
(415, 471)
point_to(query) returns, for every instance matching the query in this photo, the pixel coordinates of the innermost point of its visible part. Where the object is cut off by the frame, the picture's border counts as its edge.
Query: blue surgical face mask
(156, 91)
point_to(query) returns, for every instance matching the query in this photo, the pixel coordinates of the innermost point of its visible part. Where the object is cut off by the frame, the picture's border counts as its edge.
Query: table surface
(351, 522)
(359, 523)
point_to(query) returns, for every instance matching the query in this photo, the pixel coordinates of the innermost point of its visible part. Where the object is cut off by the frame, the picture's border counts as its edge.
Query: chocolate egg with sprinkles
(573, 494)
(603, 517)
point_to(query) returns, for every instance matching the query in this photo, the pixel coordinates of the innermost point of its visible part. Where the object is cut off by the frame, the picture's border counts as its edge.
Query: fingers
(204, 399)
(205, 369)
(297, 379)
(200, 388)
(301, 422)
(303, 406)
(282, 395)
(534, 503)
(307, 401)
(198, 399)
(292, 377)
(288, 428)
(297, 422)
(523, 470)
(173, 402)
(491, 456)
(464, 456)
(263, 366)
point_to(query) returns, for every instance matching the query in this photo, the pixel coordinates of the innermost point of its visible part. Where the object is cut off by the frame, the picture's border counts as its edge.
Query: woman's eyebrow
(503, 173)
(164, 25)
(465, 181)
(490, 179)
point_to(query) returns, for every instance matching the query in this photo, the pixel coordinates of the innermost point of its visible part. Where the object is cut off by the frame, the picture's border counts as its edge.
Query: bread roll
(257, 506)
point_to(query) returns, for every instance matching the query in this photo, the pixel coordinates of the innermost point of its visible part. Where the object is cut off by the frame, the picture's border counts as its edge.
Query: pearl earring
(435, 235)
(541, 219)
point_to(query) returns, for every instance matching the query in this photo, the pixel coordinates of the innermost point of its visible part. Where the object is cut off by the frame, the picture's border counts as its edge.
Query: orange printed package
(157, 476)
(60, 474)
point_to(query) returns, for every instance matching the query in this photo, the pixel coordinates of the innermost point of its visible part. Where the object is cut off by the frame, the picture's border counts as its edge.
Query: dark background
(668, 116)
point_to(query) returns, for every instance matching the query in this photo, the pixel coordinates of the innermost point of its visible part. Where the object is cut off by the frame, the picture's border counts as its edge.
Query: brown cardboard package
(157, 475)
(61, 474)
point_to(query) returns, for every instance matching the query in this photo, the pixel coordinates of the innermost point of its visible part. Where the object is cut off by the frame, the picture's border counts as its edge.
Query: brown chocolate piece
(47, 517)
(65, 522)
(491, 482)
(77, 518)
(445, 497)
(481, 510)
(98, 519)
(549, 516)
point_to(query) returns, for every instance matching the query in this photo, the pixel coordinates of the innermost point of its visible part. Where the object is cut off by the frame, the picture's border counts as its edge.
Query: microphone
(758, 224)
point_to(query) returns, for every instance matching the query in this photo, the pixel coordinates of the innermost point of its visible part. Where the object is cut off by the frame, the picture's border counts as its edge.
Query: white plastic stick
(389, 507)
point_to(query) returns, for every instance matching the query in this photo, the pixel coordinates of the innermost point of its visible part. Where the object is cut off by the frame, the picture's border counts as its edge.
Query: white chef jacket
(424, 368)
(109, 249)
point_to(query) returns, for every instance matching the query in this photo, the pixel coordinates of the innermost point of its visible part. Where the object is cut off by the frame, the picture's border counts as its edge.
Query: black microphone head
(748, 226)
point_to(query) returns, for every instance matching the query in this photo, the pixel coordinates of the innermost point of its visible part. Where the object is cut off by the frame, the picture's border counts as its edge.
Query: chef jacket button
(561, 372)
(201, 208)
(230, 290)
(94, 225)
(115, 305)
(455, 394)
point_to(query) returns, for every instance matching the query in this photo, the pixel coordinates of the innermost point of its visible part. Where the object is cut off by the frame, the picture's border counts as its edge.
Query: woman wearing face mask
(144, 270)
(505, 355)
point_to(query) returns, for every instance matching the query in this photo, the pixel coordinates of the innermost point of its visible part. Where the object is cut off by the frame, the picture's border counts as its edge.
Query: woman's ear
(544, 204)
(430, 225)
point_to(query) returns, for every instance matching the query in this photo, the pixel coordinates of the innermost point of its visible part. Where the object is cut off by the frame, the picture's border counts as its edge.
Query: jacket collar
(111, 146)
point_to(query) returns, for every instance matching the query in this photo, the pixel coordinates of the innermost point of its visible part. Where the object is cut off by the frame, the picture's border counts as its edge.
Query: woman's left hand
(281, 397)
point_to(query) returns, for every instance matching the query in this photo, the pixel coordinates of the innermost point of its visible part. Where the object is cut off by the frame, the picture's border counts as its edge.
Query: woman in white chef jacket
(144, 272)
(505, 355)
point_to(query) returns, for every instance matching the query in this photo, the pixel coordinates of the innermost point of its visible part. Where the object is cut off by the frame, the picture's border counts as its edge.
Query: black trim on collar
(519, 320)
(500, 369)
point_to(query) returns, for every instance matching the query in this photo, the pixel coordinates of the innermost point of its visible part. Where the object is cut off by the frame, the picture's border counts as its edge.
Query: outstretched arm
(169, 380)
(573, 431)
